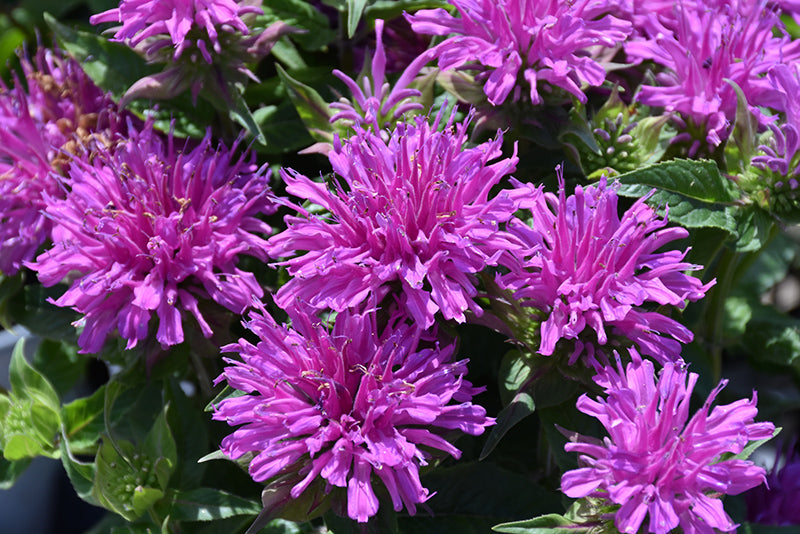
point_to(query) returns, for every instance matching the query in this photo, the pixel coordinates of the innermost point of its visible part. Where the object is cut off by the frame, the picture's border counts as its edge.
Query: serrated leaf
(697, 180)
(310, 106)
(685, 211)
(355, 8)
(209, 504)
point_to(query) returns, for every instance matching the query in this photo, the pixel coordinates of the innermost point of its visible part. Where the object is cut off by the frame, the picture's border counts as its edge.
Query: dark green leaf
(696, 180)
(310, 106)
(208, 504)
(83, 421)
(81, 474)
(61, 363)
(159, 443)
(355, 8)
(31, 309)
(283, 128)
(28, 383)
(389, 9)
(687, 212)
(241, 113)
(520, 407)
(753, 226)
(9, 287)
(303, 16)
(461, 505)
(545, 524)
(112, 66)
(117, 476)
(772, 337)
(10, 471)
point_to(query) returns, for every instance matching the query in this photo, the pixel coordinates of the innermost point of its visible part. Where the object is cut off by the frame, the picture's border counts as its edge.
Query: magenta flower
(587, 268)
(43, 122)
(378, 103)
(149, 228)
(547, 40)
(346, 406)
(781, 154)
(776, 502)
(411, 216)
(183, 25)
(657, 461)
(703, 48)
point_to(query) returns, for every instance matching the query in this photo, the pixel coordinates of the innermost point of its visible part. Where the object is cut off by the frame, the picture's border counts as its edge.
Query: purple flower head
(703, 50)
(149, 228)
(657, 461)
(182, 25)
(41, 127)
(544, 40)
(588, 268)
(410, 215)
(776, 502)
(346, 406)
(780, 156)
(378, 104)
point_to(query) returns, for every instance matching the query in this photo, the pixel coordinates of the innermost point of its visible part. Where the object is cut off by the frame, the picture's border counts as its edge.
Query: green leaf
(461, 505)
(772, 337)
(751, 448)
(545, 524)
(533, 385)
(355, 8)
(283, 128)
(209, 504)
(116, 478)
(753, 226)
(159, 444)
(312, 109)
(9, 287)
(389, 9)
(144, 498)
(285, 52)
(31, 309)
(114, 67)
(744, 132)
(80, 474)
(301, 15)
(61, 363)
(520, 407)
(10, 471)
(83, 421)
(696, 180)
(28, 383)
(240, 112)
(22, 446)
